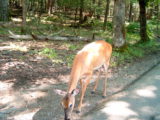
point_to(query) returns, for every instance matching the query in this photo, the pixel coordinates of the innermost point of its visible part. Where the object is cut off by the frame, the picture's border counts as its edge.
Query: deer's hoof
(103, 96)
(92, 92)
(78, 111)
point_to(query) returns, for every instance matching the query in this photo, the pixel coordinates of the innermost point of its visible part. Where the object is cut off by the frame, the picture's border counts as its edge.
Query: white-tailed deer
(93, 56)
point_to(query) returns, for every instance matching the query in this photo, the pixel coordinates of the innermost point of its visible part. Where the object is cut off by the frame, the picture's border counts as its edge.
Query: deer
(94, 56)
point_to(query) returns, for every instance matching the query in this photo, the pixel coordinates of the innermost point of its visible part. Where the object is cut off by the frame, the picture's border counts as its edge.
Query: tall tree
(99, 6)
(93, 9)
(3, 10)
(158, 18)
(119, 23)
(50, 6)
(130, 11)
(143, 21)
(106, 14)
(81, 11)
(24, 13)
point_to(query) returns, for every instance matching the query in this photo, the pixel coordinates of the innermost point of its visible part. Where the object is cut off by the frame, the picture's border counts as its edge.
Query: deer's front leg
(84, 84)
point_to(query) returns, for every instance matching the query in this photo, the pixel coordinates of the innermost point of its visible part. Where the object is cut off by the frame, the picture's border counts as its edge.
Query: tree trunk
(119, 23)
(99, 5)
(4, 10)
(50, 6)
(93, 9)
(81, 11)
(142, 18)
(127, 6)
(150, 11)
(24, 6)
(106, 14)
(130, 12)
(93, 1)
(41, 7)
(158, 19)
(75, 18)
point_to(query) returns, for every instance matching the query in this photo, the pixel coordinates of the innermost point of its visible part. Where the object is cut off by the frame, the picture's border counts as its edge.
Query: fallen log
(21, 37)
(54, 38)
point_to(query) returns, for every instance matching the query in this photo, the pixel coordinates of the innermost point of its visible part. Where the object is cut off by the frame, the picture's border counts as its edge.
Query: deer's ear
(75, 92)
(62, 104)
(60, 92)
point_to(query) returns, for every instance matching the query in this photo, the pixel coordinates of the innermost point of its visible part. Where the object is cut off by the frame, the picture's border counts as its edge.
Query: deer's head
(68, 103)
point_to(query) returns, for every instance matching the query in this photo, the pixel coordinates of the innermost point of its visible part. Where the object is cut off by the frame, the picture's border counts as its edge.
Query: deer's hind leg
(106, 65)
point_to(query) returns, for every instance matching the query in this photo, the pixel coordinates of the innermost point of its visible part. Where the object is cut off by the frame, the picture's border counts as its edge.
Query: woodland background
(131, 26)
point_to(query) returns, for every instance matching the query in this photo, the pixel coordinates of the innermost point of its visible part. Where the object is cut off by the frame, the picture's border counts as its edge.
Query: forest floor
(31, 86)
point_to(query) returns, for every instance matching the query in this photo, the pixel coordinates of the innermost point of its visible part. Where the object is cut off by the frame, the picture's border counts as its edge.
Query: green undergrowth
(119, 57)
(53, 26)
(58, 56)
(58, 26)
(132, 52)
(48, 52)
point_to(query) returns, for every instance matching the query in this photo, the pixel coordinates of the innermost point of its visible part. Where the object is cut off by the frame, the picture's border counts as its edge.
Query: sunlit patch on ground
(6, 85)
(34, 95)
(147, 92)
(14, 47)
(157, 77)
(6, 99)
(115, 109)
(27, 115)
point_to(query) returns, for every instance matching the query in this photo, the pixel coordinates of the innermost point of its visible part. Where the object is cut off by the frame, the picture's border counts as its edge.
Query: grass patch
(48, 52)
(53, 25)
(133, 52)
(73, 47)
(69, 60)
(133, 27)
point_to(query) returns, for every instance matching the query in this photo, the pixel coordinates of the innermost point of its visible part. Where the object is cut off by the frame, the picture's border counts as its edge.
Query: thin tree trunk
(127, 9)
(93, 10)
(106, 14)
(75, 18)
(143, 22)
(150, 13)
(130, 11)
(119, 23)
(4, 10)
(50, 6)
(158, 33)
(24, 13)
(47, 5)
(41, 7)
(81, 11)
(93, 1)
(99, 5)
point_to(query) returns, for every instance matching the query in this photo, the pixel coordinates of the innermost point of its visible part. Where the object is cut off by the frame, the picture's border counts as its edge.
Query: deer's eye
(70, 105)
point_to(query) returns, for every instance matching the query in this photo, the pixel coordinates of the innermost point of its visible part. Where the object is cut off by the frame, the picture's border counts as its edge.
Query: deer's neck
(74, 78)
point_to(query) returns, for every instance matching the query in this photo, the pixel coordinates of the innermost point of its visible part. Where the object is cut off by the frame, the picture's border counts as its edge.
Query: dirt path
(139, 102)
(31, 86)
